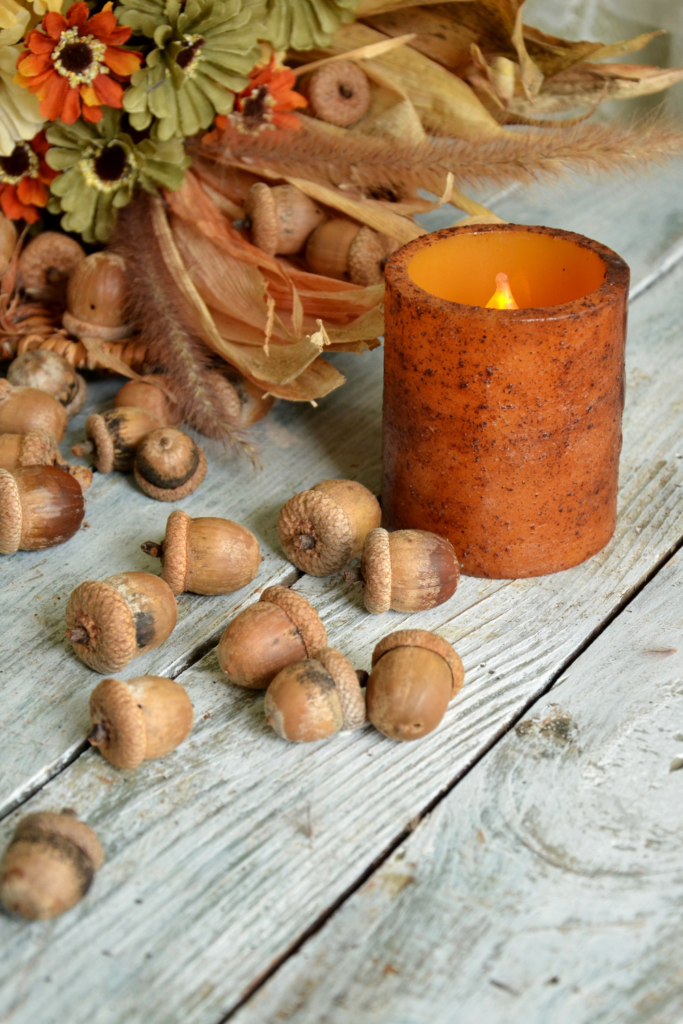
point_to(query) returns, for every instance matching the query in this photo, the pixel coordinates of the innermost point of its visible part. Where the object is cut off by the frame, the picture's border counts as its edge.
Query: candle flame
(502, 298)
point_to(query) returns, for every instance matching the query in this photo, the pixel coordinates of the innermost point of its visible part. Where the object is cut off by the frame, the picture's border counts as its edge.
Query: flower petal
(77, 14)
(34, 64)
(122, 62)
(54, 24)
(283, 119)
(108, 91)
(39, 43)
(54, 96)
(71, 110)
(92, 114)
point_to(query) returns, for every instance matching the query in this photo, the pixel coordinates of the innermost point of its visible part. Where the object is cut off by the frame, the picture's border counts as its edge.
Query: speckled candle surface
(502, 428)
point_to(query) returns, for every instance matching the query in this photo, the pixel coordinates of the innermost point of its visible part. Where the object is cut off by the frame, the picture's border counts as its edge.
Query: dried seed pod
(207, 555)
(49, 865)
(154, 393)
(25, 409)
(414, 675)
(40, 506)
(244, 402)
(96, 299)
(8, 241)
(315, 698)
(111, 621)
(409, 570)
(339, 93)
(279, 630)
(169, 465)
(49, 372)
(138, 720)
(281, 218)
(112, 437)
(347, 251)
(46, 264)
(323, 528)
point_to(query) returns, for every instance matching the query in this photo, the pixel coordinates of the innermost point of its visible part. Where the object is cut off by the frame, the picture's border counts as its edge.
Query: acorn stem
(77, 635)
(84, 448)
(306, 542)
(98, 734)
(154, 549)
(242, 224)
(352, 575)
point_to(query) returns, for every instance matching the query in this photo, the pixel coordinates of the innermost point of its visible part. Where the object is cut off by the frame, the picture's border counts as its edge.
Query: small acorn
(206, 555)
(322, 529)
(25, 409)
(347, 251)
(51, 373)
(96, 299)
(111, 621)
(339, 93)
(138, 720)
(49, 865)
(168, 464)
(244, 403)
(315, 698)
(279, 629)
(112, 437)
(281, 218)
(8, 242)
(409, 571)
(40, 507)
(46, 264)
(154, 393)
(414, 675)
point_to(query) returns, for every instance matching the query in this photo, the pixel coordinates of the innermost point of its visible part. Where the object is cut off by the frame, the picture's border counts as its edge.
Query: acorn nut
(414, 675)
(154, 393)
(322, 529)
(281, 218)
(111, 621)
(347, 251)
(168, 464)
(51, 373)
(244, 402)
(40, 507)
(25, 409)
(138, 720)
(46, 264)
(315, 698)
(49, 865)
(408, 570)
(96, 299)
(279, 629)
(206, 555)
(112, 437)
(339, 93)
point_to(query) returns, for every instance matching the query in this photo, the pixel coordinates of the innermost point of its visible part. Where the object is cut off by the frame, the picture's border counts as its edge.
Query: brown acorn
(138, 720)
(46, 264)
(322, 529)
(280, 629)
(339, 92)
(414, 675)
(51, 373)
(409, 571)
(206, 555)
(315, 698)
(154, 393)
(112, 437)
(8, 242)
(26, 409)
(111, 621)
(244, 402)
(281, 218)
(347, 251)
(40, 506)
(96, 299)
(49, 865)
(168, 464)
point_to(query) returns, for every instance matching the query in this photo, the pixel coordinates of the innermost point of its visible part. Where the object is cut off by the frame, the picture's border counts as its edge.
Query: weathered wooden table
(522, 863)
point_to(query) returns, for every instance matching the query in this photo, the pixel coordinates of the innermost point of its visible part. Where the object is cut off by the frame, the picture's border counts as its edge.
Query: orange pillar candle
(502, 427)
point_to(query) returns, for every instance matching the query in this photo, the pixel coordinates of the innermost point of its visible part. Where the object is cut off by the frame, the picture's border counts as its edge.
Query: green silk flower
(100, 166)
(305, 24)
(204, 52)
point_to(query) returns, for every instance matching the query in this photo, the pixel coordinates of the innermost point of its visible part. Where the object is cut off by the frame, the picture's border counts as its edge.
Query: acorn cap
(376, 571)
(312, 514)
(261, 209)
(39, 448)
(156, 469)
(367, 257)
(302, 614)
(46, 264)
(119, 724)
(103, 612)
(348, 687)
(339, 92)
(67, 826)
(96, 431)
(78, 399)
(175, 548)
(10, 514)
(430, 642)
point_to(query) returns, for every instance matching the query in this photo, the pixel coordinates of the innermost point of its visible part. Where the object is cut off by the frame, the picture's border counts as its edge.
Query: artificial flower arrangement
(256, 161)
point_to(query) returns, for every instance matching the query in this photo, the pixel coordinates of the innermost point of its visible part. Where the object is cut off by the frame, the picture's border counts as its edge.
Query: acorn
(244, 402)
(96, 299)
(138, 720)
(168, 464)
(51, 373)
(8, 242)
(206, 555)
(408, 571)
(339, 93)
(49, 865)
(322, 529)
(347, 251)
(154, 393)
(281, 218)
(112, 437)
(315, 698)
(280, 629)
(111, 621)
(414, 675)
(40, 507)
(25, 409)
(46, 264)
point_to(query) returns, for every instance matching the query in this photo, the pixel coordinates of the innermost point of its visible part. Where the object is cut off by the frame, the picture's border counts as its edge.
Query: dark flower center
(186, 55)
(76, 57)
(254, 105)
(111, 163)
(17, 163)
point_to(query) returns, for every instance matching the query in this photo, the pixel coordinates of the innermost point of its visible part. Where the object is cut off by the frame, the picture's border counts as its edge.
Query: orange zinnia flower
(269, 99)
(76, 64)
(24, 175)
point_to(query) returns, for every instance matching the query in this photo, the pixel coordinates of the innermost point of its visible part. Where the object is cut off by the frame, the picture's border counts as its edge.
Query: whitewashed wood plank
(237, 842)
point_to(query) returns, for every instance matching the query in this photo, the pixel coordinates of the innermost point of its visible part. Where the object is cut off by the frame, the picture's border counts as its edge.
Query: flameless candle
(502, 426)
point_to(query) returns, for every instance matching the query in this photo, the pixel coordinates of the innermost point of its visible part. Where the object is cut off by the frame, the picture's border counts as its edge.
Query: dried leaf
(367, 8)
(362, 53)
(316, 381)
(586, 83)
(554, 55)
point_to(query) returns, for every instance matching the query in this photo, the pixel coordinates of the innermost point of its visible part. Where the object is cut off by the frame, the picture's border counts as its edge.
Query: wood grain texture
(237, 842)
(547, 886)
